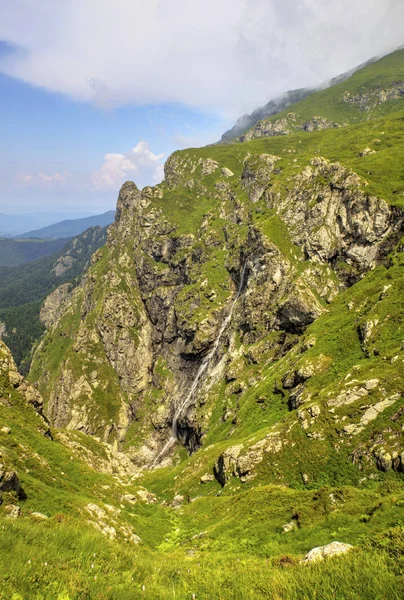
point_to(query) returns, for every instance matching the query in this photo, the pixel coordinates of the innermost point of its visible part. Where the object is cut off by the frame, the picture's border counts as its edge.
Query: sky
(95, 92)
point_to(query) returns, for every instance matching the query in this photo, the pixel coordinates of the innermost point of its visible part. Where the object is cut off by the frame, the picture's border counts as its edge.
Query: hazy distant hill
(14, 252)
(71, 227)
(14, 225)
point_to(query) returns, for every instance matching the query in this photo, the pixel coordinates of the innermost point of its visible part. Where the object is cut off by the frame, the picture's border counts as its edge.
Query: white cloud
(55, 178)
(228, 54)
(40, 179)
(140, 164)
(25, 178)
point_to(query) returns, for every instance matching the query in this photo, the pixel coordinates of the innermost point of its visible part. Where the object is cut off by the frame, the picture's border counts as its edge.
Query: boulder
(129, 498)
(177, 501)
(207, 478)
(9, 482)
(289, 527)
(39, 516)
(322, 552)
(13, 511)
(226, 464)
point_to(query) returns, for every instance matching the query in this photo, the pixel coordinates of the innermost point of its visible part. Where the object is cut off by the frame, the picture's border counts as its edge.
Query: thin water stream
(186, 403)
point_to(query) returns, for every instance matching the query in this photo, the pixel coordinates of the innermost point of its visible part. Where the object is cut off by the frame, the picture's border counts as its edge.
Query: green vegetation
(359, 98)
(382, 171)
(23, 289)
(218, 547)
(62, 561)
(14, 252)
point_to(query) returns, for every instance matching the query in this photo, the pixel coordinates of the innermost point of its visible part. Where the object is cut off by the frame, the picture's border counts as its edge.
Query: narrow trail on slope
(185, 404)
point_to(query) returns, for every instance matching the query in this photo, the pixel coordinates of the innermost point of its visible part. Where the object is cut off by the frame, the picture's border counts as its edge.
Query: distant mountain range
(12, 225)
(70, 227)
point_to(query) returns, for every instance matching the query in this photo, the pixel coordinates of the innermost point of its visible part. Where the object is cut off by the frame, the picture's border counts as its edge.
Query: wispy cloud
(232, 54)
(140, 163)
(41, 179)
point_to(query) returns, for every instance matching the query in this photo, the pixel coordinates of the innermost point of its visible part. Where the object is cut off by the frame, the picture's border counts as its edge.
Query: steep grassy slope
(382, 170)
(277, 105)
(372, 92)
(216, 547)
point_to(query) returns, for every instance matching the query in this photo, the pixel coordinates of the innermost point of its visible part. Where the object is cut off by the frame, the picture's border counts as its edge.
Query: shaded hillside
(14, 252)
(23, 289)
(12, 225)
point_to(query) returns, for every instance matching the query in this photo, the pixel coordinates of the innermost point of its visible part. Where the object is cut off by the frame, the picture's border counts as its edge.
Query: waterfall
(186, 403)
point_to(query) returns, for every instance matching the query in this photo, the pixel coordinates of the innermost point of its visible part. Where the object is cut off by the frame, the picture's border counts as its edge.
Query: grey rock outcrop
(328, 551)
(54, 305)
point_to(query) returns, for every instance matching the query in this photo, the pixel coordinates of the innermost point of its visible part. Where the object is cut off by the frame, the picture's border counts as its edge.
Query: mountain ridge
(71, 227)
(282, 102)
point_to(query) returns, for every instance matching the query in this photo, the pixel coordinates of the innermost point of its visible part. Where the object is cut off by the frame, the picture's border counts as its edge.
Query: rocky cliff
(293, 235)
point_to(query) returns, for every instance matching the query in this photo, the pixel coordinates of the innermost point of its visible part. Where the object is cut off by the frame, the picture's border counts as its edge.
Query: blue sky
(48, 133)
(94, 92)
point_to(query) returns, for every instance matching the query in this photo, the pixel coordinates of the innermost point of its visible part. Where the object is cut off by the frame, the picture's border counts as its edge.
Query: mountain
(371, 92)
(272, 107)
(71, 227)
(223, 387)
(14, 252)
(14, 225)
(275, 106)
(24, 288)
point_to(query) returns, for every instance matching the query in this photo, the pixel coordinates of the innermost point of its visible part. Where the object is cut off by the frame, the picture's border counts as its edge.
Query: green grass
(329, 103)
(61, 561)
(382, 171)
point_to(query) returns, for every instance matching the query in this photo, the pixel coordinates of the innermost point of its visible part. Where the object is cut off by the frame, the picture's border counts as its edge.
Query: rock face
(54, 305)
(11, 377)
(369, 100)
(78, 252)
(286, 125)
(336, 220)
(15, 391)
(251, 247)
